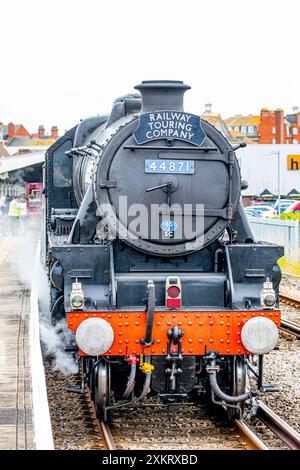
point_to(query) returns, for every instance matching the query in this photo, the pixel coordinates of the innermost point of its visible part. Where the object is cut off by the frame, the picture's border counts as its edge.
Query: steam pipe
(145, 387)
(223, 396)
(130, 382)
(212, 369)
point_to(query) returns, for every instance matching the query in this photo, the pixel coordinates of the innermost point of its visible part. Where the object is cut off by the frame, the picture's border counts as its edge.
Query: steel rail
(290, 327)
(278, 426)
(107, 436)
(252, 441)
(286, 299)
(103, 427)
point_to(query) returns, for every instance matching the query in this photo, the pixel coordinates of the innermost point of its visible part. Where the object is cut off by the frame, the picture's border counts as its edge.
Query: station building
(259, 167)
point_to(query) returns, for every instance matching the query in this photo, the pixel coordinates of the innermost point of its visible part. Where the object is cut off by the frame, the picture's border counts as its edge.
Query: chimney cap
(160, 95)
(178, 84)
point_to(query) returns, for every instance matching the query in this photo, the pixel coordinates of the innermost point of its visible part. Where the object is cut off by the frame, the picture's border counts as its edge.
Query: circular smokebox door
(168, 220)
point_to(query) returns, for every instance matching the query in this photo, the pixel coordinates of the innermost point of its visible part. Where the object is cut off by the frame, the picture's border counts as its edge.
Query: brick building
(17, 139)
(11, 130)
(270, 127)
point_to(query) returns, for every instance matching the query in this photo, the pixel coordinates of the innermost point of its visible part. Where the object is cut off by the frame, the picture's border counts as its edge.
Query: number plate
(185, 167)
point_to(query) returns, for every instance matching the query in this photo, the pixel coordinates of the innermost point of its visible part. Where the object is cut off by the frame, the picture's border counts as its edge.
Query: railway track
(291, 328)
(287, 325)
(75, 426)
(248, 439)
(286, 299)
(278, 426)
(244, 433)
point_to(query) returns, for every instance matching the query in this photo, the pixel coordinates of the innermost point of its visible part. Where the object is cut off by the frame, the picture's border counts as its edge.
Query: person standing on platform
(23, 214)
(14, 213)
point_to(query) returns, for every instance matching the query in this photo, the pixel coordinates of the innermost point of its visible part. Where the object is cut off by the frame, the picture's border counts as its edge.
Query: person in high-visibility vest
(14, 213)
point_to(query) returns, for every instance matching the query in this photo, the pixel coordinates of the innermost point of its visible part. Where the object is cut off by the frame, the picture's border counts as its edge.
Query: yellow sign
(293, 162)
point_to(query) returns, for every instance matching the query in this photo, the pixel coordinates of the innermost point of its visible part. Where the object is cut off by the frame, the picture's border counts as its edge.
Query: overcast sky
(62, 60)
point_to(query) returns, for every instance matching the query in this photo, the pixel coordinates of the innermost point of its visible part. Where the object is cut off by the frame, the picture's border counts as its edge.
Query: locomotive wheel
(237, 385)
(101, 388)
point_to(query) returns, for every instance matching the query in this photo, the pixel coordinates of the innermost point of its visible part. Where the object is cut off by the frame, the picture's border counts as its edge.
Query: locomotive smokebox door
(158, 174)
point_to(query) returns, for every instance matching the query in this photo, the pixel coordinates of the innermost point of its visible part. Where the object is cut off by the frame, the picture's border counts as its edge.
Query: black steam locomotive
(151, 259)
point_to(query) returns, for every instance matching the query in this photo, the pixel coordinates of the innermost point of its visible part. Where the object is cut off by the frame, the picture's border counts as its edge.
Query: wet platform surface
(16, 423)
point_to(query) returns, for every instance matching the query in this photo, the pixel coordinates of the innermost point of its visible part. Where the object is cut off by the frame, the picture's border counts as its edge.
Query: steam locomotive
(151, 260)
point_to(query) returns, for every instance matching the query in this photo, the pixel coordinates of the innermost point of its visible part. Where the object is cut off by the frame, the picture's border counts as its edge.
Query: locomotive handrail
(177, 149)
(222, 213)
(148, 340)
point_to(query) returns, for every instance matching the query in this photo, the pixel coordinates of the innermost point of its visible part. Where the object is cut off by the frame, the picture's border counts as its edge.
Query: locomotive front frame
(226, 312)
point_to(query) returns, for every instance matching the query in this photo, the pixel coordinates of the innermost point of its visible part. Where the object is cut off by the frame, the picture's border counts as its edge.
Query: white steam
(30, 272)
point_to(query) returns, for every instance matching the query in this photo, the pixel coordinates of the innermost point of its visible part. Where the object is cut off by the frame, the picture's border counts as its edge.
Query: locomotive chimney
(162, 95)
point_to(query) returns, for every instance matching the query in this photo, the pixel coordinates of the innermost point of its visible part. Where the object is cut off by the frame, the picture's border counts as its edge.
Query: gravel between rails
(282, 369)
(191, 427)
(143, 427)
(73, 426)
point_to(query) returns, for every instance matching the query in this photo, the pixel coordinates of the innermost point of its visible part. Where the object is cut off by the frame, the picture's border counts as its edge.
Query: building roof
(266, 193)
(238, 120)
(218, 123)
(293, 192)
(5, 128)
(21, 161)
(26, 141)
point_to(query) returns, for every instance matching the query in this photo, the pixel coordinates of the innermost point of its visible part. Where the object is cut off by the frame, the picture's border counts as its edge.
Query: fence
(281, 232)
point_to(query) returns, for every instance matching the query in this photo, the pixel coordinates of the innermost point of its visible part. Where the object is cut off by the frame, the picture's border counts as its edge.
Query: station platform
(16, 405)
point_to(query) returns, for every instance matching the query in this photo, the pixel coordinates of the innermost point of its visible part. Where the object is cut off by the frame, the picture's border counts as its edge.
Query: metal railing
(281, 232)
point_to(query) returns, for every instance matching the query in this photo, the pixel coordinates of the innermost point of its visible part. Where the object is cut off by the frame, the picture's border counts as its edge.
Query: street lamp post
(278, 179)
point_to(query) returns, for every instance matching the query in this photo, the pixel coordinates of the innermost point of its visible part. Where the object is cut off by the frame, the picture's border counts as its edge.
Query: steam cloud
(54, 339)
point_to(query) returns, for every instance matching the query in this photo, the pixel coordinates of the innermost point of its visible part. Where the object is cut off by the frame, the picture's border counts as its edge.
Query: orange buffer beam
(219, 331)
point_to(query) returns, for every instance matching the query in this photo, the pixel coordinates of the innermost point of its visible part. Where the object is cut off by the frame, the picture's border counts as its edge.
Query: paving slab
(16, 423)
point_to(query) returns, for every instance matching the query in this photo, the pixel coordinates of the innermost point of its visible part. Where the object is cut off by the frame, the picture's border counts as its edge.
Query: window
(295, 131)
(295, 141)
(273, 130)
(251, 129)
(62, 166)
(274, 141)
(244, 129)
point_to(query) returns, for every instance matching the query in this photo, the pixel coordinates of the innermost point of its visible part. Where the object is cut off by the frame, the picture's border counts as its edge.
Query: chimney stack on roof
(54, 132)
(41, 131)
(10, 130)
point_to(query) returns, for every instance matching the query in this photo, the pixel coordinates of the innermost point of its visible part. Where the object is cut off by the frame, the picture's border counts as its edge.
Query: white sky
(63, 60)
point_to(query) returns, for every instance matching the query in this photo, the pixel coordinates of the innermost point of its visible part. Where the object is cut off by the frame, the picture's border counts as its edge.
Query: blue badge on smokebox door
(168, 225)
(169, 125)
(168, 228)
